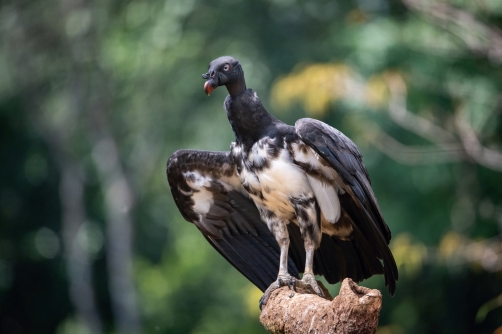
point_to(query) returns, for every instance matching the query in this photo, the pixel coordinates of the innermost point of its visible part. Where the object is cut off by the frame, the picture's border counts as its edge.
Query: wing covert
(344, 157)
(339, 154)
(209, 194)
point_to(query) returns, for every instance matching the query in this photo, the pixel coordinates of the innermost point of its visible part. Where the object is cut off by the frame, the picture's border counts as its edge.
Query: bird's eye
(226, 67)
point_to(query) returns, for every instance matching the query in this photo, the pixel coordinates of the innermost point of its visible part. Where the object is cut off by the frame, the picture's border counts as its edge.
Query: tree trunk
(354, 310)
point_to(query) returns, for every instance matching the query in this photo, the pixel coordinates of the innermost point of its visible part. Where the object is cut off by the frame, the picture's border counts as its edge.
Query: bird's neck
(249, 119)
(238, 86)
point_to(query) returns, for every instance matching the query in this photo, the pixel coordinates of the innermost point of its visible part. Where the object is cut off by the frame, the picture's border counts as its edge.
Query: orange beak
(209, 86)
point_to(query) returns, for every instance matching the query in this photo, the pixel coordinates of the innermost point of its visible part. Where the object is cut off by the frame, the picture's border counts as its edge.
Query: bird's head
(224, 71)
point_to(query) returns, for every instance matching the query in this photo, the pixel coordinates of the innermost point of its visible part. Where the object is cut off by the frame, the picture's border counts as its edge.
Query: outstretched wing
(341, 184)
(209, 194)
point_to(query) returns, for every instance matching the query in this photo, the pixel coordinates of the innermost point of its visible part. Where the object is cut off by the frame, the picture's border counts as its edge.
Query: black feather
(371, 234)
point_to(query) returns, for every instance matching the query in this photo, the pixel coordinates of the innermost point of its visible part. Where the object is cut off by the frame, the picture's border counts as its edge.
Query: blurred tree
(94, 97)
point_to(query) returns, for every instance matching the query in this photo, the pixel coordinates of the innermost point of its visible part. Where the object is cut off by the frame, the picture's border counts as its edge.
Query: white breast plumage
(272, 178)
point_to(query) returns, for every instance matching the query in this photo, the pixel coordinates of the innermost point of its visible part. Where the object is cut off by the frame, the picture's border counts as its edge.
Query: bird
(285, 200)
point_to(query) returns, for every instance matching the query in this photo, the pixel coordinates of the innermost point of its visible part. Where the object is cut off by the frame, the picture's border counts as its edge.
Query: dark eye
(226, 67)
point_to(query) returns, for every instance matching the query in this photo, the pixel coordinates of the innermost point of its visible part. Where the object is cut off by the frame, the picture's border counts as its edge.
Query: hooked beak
(211, 84)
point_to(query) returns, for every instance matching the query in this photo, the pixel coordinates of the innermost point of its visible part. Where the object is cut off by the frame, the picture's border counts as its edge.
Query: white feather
(203, 200)
(194, 179)
(318, 163)
(285, 175)
(327, 198)
(186, 193)
(258, 153)
(284, 180)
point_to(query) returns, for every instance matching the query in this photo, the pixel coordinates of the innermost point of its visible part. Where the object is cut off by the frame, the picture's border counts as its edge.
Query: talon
(281, 281)
(311, 281)
(264, 299)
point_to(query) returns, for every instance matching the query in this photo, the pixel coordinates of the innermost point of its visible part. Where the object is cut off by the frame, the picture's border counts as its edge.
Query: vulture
(284, 200)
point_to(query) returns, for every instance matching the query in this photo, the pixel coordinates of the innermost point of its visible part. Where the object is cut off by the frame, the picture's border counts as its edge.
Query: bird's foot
(282, 280)
(309, 281)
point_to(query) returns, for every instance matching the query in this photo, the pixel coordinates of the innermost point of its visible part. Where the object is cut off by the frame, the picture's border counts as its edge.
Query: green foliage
(75, 75)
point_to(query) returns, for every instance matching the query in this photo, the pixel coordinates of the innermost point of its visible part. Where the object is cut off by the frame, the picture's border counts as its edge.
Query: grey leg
(279, 229)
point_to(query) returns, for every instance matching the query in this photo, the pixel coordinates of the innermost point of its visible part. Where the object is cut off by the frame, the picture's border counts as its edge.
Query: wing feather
(208, 193)
(370, 234)
(327, 199)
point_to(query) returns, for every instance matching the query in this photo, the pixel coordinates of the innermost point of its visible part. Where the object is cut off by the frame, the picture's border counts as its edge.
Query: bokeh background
(96, 95)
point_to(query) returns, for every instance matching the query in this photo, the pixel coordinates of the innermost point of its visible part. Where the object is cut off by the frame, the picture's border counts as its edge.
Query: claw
(292, 283)
(276, 285)
(311, 281)
(307, 280)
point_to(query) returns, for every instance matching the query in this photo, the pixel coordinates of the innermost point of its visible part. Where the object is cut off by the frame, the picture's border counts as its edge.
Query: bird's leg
(308, 275)
(279, 229)
(306, 213)
(283, 264)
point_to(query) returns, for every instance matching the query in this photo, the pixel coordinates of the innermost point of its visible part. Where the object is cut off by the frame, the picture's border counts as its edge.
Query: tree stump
(354, 310)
